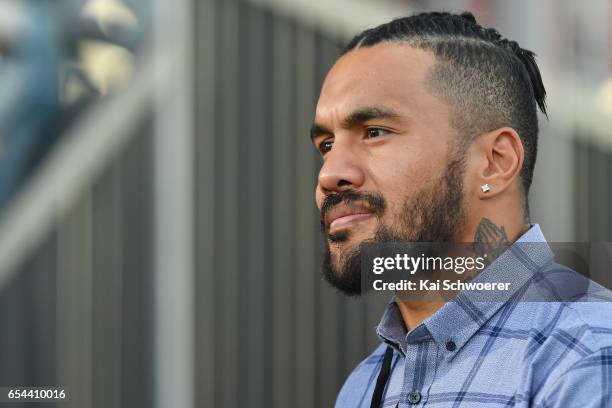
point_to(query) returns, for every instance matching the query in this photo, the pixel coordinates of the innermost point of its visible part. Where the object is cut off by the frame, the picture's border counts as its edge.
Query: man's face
(388, 172)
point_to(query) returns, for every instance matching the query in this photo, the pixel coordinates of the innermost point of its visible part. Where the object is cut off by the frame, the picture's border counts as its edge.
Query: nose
(340, 171)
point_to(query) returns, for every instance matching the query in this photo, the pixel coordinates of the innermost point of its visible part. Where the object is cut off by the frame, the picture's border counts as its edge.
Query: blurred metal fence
(271, 333)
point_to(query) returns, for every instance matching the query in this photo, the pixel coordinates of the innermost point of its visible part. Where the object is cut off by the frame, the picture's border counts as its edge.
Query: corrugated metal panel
(281, 337)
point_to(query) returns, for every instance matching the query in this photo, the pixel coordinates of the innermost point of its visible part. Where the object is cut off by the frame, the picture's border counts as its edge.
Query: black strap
(383, 377)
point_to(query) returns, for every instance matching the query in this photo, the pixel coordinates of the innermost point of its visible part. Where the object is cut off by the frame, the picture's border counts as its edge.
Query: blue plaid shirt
(495, 353)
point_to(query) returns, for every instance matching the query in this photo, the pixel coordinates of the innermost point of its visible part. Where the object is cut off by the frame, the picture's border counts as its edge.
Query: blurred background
(159, 240)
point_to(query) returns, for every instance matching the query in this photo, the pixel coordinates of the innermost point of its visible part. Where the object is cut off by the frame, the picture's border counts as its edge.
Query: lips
(343, 215)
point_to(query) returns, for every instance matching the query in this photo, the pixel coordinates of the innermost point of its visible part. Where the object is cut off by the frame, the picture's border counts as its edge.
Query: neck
(489, 238)
(414, 312)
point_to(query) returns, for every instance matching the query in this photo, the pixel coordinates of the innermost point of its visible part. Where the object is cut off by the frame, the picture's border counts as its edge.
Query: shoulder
(569, 349)
(584, 308)
(591, 320)
(584, 347)
(568, 329)
(587, 382)
(360, 383)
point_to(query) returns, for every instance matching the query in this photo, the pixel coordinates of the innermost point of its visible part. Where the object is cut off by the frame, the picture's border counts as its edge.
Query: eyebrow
(355, 118)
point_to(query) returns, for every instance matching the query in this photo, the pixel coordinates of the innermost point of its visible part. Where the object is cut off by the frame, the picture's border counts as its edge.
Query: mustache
(375, 201)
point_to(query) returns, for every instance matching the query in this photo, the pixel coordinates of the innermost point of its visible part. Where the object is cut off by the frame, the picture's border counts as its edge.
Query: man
(428, 130)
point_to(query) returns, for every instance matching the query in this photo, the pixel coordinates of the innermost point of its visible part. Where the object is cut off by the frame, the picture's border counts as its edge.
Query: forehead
(388, 74)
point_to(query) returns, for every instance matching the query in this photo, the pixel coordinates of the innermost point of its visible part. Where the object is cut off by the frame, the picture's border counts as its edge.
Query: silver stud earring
(485, 188)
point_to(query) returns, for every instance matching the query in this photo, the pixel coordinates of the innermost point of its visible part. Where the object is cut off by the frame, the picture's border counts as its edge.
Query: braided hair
(488, 81)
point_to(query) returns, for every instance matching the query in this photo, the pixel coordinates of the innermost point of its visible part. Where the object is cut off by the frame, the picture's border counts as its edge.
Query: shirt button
(414, 397)
(450, 345)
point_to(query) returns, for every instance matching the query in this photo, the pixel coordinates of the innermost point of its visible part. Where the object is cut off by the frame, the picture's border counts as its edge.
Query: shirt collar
(459, 319)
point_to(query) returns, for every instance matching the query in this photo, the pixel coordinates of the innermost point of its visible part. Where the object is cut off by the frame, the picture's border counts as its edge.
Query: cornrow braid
(526, 57)
(488, 81)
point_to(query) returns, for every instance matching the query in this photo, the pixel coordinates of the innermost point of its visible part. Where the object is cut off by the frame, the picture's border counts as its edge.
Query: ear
(502, 155)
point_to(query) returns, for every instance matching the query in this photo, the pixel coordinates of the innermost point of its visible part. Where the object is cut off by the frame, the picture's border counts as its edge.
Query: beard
(434, 214)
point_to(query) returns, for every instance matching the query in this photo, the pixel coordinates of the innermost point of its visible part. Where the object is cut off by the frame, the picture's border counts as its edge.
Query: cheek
(402, 171)
(472, 179)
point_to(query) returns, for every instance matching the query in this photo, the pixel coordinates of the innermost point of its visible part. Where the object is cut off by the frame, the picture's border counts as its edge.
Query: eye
(325, 146)
(376, 132)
